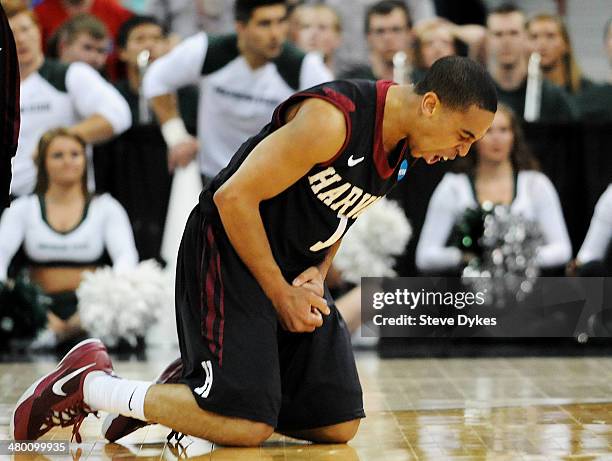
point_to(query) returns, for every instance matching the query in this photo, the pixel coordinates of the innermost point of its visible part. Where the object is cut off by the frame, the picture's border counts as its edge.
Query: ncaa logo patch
(402, 170)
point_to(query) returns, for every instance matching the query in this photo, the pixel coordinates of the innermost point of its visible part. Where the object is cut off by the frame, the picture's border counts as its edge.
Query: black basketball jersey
(306, 219)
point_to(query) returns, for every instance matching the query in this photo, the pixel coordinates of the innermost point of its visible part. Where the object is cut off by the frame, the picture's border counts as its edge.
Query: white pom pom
(367, 248)
(114, 306)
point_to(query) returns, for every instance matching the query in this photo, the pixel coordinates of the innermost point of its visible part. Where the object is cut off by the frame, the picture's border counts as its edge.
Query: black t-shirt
(364, 71)
(187, 104)
(556, 105)
(303, 221)
(594, 103)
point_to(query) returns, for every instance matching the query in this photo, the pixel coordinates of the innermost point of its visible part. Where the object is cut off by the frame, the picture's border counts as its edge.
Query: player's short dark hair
(460, 83)
(130, 24)
(243, 9)
(383, 8)
(607, 29)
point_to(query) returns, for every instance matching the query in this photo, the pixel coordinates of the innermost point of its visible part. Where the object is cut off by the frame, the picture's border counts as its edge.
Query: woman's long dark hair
(521, 156)
(42, 179)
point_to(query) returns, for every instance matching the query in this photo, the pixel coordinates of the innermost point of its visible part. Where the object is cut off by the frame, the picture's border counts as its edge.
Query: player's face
(388, 34)
(27, 38)
(507, 38)
(436, 44)
(445, 134)
(496, 145)
(143, 37)
(265, 32)
(88, 49)
(545, 38)
(65, 161)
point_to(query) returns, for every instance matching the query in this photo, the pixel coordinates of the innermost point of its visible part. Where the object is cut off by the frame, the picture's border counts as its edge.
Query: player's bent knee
(337, 433)
(344, 432)
(256, 434)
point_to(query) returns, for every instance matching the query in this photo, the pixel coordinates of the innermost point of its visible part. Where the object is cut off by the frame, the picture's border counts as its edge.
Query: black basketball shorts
(238, 361)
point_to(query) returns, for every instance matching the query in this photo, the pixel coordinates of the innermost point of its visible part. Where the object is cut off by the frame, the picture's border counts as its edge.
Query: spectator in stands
(354, 48)
(434, 39)
(84, 38)
(548, 35)
(438, 37)
(134, 166)
(242, 78)
(317, 28)
(51, 14)
(508, 47)
(64, 231)
(56, 94)
(184, 18)
(388, 29)
(502, 172)
(141, 33)
(592, 254)
(594, 103)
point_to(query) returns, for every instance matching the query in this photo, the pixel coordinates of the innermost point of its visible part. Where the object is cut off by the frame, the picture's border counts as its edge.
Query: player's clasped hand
(312, 279)
(300, 310)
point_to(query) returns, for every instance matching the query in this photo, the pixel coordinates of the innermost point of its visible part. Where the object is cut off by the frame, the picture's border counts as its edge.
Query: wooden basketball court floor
(417, 409)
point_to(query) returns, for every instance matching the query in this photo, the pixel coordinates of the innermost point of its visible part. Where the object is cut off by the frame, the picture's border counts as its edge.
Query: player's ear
(430, 103)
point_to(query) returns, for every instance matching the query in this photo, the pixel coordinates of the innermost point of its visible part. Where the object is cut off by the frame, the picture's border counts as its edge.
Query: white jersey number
(337, 235)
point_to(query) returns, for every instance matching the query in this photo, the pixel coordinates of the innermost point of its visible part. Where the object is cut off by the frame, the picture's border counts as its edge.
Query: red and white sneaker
(56, 399)
(117, 426)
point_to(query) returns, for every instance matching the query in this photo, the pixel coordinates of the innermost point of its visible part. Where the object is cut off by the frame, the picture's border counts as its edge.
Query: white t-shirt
(105, 225)
(236, 101)
(536, 199)
(600, 231)
(61, 95)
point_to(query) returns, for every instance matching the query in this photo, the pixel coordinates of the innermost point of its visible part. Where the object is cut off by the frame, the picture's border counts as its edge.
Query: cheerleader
(502, 172)
(594, 248)
(64, 231)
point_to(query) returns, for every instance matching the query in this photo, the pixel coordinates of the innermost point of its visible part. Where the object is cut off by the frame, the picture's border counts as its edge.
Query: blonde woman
(548, 35)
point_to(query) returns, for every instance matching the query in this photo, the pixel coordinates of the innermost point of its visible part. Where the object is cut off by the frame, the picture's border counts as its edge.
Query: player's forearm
(244, 227)
(93, 129)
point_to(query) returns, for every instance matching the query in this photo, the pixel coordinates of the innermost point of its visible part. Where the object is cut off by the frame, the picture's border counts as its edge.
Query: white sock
(102, 391)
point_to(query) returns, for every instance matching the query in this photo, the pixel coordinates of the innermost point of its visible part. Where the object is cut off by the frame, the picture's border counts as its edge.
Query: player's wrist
(277, 292)
(174, 132)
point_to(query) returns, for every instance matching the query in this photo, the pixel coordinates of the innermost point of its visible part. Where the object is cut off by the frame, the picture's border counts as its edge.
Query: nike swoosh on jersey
(57, 387)
(354, 161)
